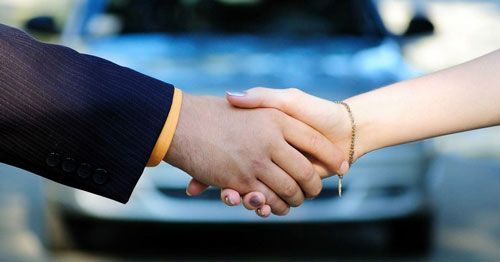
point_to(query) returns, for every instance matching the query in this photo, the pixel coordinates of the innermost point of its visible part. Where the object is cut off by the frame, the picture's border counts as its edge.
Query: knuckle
(287, 102)
(258, 166)
(247, 180)
(315, 141)
(315, 191)
(307, 173)
(294, 91)
(281, 211)
(297, 202)
(290, 190)
(271, 199)
(244, 180)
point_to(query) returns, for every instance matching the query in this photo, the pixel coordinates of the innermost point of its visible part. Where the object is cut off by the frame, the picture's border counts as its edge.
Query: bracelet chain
(353, 130)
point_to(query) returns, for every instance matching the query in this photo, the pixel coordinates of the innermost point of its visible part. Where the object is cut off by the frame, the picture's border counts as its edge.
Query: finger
(312, 110)
(254, 200)
(306, 139)
(299, 168)
(278, 206)
(264, 211)
(283, 184)
(319, 167)
(195, 187)
(230, 197)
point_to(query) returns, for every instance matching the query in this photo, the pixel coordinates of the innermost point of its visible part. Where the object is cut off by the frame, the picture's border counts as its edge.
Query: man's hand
(250, 150)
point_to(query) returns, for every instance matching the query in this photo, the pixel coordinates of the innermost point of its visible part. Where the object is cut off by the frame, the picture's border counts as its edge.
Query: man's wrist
(178, 146)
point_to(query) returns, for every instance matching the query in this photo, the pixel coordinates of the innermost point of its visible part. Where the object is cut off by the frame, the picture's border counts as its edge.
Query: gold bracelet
(353, 130)
(353, 140)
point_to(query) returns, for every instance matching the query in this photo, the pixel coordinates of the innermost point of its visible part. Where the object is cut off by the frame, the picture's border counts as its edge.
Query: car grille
(212, 194)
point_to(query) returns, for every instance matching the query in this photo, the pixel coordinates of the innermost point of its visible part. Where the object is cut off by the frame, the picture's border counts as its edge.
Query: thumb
(257, 97)
(292, 101)
(195, 187)
(314, 111)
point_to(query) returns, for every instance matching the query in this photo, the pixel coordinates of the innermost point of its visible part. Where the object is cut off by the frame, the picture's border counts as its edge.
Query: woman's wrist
(340, 129)
(365, 134)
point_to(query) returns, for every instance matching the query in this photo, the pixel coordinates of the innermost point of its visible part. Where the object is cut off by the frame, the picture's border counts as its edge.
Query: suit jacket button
(53, 160)
(69, 165)
(84, 171)
(100, 176)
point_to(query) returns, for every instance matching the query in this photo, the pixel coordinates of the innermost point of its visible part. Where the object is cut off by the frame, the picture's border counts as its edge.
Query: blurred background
(434, 200)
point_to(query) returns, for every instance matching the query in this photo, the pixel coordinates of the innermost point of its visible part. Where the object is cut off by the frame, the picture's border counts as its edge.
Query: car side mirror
(42, 24)
(419, 25)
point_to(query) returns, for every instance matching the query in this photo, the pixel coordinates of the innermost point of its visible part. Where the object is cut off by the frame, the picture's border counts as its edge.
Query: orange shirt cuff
(167, 133)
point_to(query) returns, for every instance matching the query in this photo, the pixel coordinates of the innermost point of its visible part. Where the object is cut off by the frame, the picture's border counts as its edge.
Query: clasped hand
(272, 147)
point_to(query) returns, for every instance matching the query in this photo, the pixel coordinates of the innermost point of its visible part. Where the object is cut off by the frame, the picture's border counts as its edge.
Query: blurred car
(331, 49)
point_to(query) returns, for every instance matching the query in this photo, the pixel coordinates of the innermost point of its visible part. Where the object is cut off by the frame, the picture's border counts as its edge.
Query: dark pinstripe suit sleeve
(77, 119)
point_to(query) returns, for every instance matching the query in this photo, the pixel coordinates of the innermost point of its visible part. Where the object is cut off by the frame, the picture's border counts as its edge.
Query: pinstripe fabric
(55, 100)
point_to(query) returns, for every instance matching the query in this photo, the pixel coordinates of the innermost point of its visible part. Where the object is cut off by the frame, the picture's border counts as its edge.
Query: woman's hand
(460, 98)
(328, 118)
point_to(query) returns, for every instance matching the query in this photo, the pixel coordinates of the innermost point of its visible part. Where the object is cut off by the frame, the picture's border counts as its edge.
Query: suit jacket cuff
(167, 134)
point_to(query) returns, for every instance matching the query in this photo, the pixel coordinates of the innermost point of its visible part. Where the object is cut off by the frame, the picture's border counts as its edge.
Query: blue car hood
(332, 68)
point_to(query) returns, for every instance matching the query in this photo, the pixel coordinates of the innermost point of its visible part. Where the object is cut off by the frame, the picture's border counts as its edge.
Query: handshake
(270, 146)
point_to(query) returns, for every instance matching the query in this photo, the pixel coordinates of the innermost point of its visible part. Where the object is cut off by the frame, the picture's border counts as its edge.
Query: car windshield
(259, 17)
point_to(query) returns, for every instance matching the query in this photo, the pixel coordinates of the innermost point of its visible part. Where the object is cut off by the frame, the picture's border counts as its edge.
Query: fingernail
(261, 214)
(255, 201)
(344, 168)
(228, 201)
(238, 94)
(187, 193)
